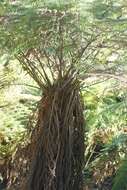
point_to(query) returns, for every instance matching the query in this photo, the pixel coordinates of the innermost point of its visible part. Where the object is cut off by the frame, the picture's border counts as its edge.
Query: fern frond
(120, 182)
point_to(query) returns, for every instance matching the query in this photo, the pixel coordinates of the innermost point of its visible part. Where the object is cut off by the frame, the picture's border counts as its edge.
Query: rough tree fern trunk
(59, 155)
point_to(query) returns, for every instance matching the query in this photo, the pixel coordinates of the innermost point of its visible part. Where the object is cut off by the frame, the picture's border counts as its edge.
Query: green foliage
(27, 25)
(105, 106)
(106, 9)
(120, 182)
(106, 123)
(18, 99)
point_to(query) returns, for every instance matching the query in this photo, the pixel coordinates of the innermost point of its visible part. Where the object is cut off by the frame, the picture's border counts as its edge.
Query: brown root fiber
(59, 156)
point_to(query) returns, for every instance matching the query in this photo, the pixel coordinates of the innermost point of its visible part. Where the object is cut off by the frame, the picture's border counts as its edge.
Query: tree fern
(120, 182)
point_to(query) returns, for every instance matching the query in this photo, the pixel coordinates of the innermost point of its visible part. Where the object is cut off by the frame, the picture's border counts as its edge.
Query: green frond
(120, 182)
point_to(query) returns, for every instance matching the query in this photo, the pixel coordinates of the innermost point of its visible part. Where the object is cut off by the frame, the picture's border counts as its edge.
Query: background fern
(120, 182)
